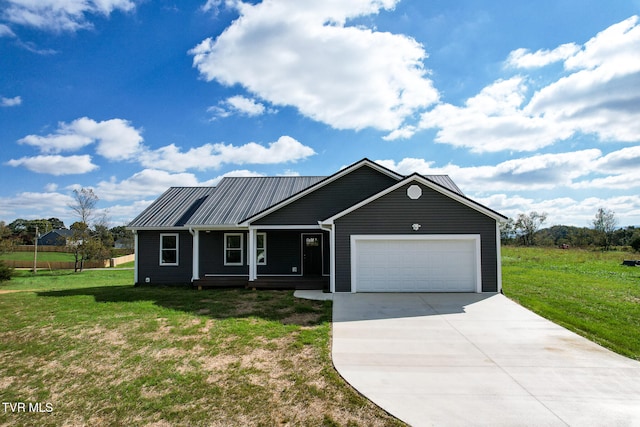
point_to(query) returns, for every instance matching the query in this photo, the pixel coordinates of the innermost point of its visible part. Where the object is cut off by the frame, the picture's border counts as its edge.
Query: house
(59, 237)
(363, 229)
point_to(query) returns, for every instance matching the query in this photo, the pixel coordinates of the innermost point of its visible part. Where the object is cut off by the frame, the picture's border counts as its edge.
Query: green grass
(588, 292)
(42, 256)
(126, 265)
(102, 352)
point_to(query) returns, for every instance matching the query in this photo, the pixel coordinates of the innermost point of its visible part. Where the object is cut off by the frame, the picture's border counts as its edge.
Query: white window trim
(177, 236)
(264, 242)
(241, 235)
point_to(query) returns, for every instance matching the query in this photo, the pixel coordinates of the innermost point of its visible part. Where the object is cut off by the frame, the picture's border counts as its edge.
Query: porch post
(196, 255)
(135, 259)
(332, 256)
(253, 271)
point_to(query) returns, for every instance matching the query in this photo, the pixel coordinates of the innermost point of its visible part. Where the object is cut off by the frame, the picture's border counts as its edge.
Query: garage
(415, 263)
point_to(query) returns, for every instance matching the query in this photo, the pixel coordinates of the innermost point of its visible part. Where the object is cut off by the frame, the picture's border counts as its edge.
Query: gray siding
(283, 252)
(394, 213)
(149, 258)
(334, 197)
(212, 254)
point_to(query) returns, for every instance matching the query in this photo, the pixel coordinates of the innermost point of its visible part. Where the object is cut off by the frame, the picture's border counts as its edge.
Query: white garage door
(415, 263)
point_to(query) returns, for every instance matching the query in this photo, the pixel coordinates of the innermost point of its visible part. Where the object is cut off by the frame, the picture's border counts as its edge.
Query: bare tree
(605, 223)
(84, 204)
(82, 243)
(527, 225)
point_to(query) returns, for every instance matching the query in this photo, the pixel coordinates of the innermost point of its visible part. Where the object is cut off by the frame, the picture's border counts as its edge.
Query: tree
(7, 244)
(85, 244)
(635, 242)
(76, 244)
(527, 225)
(605, 224)
(56, 224)
(123, 236)
(84, 204)
(507, 231)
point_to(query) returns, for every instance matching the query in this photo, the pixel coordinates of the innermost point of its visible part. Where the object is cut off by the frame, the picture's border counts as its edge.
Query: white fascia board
(318, 185)
(427, 183)
(218, 227)
(286, 227)
(161, 229)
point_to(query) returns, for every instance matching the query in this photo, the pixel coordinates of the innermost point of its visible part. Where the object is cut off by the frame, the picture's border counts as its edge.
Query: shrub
(635, 243)
(5, 272)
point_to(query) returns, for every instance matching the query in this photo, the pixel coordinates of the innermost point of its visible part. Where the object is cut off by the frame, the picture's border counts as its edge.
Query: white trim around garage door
(424, 237)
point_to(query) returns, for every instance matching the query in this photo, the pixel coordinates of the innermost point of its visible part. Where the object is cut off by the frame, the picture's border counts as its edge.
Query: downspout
(135, 259)
(498, 257)
(332, 255)
(195, 261)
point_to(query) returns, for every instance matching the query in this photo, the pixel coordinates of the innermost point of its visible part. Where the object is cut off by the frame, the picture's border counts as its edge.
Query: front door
(312, 254)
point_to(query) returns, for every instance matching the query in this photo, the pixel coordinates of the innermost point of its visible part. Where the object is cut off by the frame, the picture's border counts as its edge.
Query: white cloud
(493, 121)
(10, 102)
(146, 183)
(56, 165)
(543, 171)
(234, 173)
(522, 58)
(171, 158)
(239, 105)
(61, 15)
(116, 139)
(5, 31)
(303, 55)
(599, 95)
(211, 5)
(153, 182)
(566, 210)
(624, 160)
(38, 205)
(122, 214)
(51, 187)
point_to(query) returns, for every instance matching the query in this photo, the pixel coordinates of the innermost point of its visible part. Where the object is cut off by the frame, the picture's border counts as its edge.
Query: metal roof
(173, 208)
(444, 181)
(237, 198)
(233, 200)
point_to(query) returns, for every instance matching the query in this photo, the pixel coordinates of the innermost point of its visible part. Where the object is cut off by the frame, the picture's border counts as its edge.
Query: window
(168, 249)
(233, 249)
(261, 248)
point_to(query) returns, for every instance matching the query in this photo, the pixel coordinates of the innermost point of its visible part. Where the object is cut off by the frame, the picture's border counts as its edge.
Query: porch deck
(271, 282)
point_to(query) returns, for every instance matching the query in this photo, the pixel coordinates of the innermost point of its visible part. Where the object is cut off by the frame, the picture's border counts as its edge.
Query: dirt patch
(13, 291)
(303, 319)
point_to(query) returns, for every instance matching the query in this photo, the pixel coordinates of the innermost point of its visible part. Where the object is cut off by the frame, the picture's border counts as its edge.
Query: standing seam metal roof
(237, 198)
(173, 208)
(233, 200)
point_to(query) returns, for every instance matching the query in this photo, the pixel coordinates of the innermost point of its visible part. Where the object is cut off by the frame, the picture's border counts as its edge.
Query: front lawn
(588, 292)
(42, 256)
(102, 352)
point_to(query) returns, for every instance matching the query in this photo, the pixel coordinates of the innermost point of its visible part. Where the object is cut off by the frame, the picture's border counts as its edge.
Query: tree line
(604, 233)
(90, 239)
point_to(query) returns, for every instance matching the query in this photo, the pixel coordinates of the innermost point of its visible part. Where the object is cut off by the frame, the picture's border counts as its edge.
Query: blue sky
(526, 105)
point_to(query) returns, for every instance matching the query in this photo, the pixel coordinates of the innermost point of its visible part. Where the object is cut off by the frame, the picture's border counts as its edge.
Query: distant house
(58, 237)
(123, 244)
(363, 229)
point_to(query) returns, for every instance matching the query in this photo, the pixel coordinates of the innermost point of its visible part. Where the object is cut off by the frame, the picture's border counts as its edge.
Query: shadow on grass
(280, 306)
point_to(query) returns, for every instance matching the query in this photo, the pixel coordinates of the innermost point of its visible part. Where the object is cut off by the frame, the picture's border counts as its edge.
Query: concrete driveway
(478, 359)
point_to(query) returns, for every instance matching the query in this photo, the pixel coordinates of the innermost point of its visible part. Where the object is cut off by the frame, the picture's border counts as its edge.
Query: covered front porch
(262, 258)
(272, 282)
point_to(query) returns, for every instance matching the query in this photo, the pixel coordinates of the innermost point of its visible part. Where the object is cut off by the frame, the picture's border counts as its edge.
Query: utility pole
(35, 253)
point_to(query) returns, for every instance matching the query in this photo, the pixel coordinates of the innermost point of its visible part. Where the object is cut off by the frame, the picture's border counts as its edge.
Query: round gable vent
(414, 192)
